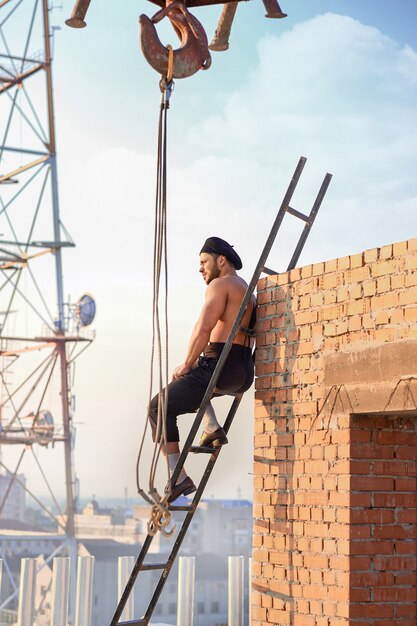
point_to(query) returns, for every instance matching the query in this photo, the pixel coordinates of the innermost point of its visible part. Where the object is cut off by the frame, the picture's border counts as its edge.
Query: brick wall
(335, 443)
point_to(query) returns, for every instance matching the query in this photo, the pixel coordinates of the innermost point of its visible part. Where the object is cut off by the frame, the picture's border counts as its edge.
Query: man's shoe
(182, 489)
(213, 440)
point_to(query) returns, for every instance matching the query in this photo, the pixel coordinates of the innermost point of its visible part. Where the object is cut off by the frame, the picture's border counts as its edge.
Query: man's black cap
(215, 245)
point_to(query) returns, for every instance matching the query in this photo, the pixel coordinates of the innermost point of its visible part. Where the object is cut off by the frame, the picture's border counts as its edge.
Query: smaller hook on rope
(161, 518)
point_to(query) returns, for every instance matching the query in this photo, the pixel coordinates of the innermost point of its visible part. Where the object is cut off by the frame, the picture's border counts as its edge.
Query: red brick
(385, 267)
(395, 532)
(371, 483)
(411, 314)
(395, 499)
(372, 516)
(372, 547)
(394, 594)
(370, 579)
(395, 437)
(371, 610)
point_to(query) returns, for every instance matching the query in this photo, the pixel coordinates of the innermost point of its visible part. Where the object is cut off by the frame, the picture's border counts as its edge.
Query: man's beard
(215, 273)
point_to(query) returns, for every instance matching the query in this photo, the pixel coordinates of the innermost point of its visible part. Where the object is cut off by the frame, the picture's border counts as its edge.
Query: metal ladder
(165, 568)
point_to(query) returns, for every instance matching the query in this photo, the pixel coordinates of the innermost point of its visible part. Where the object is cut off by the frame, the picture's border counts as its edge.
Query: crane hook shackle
(191, 56)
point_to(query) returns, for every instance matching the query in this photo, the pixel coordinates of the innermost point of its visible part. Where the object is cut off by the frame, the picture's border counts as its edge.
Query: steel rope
(159, 337)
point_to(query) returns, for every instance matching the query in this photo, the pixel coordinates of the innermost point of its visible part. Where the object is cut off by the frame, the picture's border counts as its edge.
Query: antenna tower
(40, 334)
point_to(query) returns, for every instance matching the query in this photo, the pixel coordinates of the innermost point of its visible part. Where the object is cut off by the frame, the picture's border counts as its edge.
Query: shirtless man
(224, 294)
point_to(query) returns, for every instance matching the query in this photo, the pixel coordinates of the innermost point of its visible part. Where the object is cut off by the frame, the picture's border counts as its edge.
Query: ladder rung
(298, 214)
(197, 449)
(133, 622)
(267, 270)
(149, 566)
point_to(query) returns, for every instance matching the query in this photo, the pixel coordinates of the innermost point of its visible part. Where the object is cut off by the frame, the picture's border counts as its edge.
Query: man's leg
(173, 453)
(171, 449)
(184, 396)
(213, 434)
(210, 423)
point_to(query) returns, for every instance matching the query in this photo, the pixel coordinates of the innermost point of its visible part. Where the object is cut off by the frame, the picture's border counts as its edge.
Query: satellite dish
(86, 309)
(43, 426)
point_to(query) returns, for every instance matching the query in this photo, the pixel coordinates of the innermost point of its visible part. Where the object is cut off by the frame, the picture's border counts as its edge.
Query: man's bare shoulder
(218, 284)
(231, 283)
(236, 282)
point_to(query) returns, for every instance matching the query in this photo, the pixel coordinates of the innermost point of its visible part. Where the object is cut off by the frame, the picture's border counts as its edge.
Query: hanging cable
(161, 517)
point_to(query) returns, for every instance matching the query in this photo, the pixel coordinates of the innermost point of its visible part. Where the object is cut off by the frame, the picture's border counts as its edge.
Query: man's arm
(213, 309)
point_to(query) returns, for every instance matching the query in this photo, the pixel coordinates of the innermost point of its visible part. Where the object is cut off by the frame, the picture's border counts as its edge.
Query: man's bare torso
(232, 288)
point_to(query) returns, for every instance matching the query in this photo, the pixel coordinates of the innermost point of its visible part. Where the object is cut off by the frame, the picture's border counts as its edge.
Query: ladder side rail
(249, 291)
(232, 412)
(310, 221)
(177, 545)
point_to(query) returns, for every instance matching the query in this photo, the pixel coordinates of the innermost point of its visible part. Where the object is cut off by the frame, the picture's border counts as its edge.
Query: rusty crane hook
(191, 56)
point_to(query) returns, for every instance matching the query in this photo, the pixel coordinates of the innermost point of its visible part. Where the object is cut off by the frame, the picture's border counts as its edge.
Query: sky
(335, 81)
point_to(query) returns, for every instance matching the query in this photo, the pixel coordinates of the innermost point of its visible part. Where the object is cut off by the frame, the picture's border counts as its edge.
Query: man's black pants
(186, 393)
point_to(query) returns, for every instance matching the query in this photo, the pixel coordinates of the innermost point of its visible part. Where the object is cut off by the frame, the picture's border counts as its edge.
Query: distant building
(15, 503)
(108, 523)
(22, 540)
(222, 527)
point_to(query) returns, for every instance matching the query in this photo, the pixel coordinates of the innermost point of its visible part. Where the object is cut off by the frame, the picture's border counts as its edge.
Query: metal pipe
(25, 613)
(60, 591)
(220, 40)
(78, 14)
(186, 579)
(84, 591)
(125, 567)
(273, 9)
(236, 595)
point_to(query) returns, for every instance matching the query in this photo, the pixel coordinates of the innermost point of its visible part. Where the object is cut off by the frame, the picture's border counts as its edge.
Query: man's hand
(180, 371)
